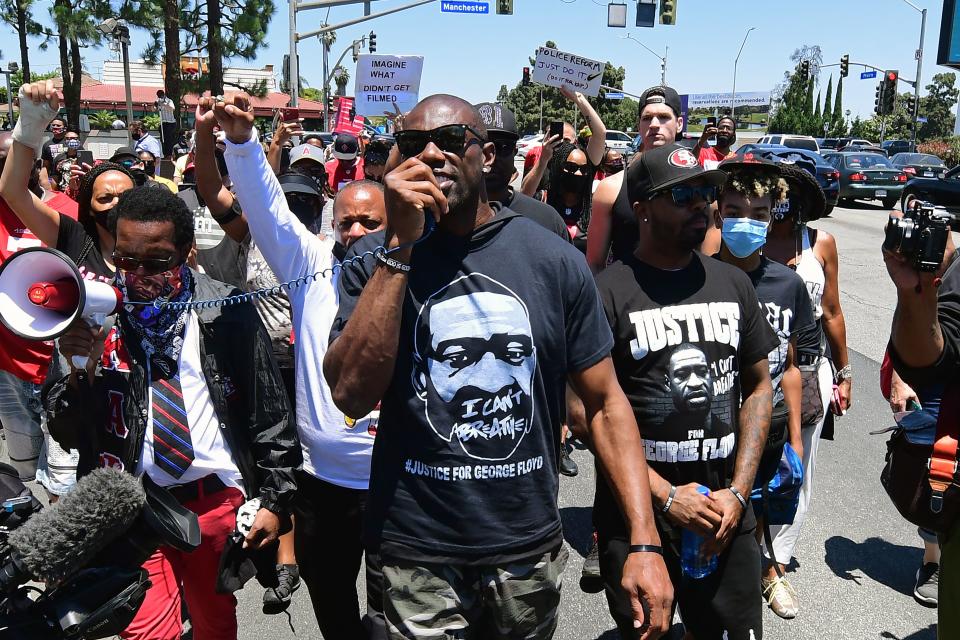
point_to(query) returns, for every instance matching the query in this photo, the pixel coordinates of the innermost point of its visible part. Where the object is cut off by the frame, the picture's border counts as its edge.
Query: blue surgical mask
(743, 236)
(73, 143)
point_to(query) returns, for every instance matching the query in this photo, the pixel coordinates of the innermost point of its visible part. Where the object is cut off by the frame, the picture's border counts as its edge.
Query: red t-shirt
(710, 155)
(339, 174)
(26, 359)
(531, 158)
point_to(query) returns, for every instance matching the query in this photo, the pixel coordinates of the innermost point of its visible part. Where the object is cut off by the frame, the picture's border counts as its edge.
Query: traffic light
(372, 43)
(805, 70)
(890, 91)
(909, 103)
(845, 66)
(878, 100)
(526, 76)
(505, 7)
(668, 11)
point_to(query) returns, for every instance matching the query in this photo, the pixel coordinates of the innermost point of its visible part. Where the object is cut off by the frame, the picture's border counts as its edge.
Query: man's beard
(489, 425)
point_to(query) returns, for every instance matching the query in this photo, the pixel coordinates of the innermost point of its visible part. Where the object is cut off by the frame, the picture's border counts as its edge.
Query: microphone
(64, 538)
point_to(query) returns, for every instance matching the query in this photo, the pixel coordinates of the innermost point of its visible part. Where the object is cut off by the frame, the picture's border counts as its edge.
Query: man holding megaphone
(189, 396)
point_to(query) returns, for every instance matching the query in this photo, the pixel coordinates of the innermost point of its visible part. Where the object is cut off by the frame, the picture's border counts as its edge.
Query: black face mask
(102, 218)
(572, 183)
(139, 177)
(305, 213)
(150, 168)
(726, 141)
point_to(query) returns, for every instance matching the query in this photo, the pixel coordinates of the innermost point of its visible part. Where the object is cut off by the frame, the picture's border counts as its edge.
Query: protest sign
(347, 121)
(384, 80)
(557, 68)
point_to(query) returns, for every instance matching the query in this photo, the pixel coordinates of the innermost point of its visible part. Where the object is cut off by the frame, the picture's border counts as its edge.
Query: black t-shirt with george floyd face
(680, 340)
(464, 466)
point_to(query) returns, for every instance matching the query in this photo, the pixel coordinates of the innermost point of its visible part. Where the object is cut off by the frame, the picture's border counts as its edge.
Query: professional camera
(920, 235)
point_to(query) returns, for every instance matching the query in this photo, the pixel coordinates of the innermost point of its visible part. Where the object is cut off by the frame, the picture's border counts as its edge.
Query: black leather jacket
(245, 388)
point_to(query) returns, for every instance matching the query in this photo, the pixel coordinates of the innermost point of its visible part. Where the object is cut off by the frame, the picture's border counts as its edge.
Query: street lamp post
(12, 68)
(733, 95)
(916, 86)
(118, 30)
(663, 58)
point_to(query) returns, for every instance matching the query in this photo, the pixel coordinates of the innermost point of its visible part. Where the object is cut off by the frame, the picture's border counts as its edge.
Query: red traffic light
(892, 76)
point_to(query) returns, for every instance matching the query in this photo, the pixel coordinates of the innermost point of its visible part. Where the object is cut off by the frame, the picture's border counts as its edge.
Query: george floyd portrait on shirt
(474, 363)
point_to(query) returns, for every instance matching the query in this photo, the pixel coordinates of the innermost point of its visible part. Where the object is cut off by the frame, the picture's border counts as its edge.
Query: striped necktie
(172, 446)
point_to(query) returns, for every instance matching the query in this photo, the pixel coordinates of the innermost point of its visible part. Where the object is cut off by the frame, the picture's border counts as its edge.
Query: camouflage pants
(516, 601)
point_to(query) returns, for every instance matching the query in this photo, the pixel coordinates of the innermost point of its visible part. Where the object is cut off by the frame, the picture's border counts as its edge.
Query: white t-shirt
(210, 448)
(335, 449)
(165, 107)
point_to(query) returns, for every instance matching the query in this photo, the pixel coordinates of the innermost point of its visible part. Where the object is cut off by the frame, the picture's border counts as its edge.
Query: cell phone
(711, 121)
(290, 114)
(556, 129)
(85, 156)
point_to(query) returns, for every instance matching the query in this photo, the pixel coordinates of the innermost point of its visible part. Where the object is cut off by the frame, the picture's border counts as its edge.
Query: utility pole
(296, 37)
(916, 92)
(733, 96)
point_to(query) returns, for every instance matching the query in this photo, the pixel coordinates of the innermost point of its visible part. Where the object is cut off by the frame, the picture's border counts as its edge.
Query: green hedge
(947, 149)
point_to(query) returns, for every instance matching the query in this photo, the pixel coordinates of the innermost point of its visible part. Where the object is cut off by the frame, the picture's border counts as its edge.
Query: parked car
(893, 147)
(792, 141)
(528, 142)
(919, 165)
(843, 143)
(868, 176)
(829, 143)
(619, 141)
(865, 148)
(827, 175)
(943, 191)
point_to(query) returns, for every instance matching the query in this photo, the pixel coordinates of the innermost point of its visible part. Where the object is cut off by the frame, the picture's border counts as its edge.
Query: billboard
(744, 99)
(948, 53)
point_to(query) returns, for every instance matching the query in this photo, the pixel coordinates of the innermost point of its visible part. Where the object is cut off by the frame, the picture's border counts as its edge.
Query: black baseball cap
(298, 183)
(664, 167)
(346, 146)
(661, 94)
(124, 152)
(497, 119)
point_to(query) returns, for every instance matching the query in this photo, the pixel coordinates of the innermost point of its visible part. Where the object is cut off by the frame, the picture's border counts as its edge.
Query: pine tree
(18, 15)
(76, 22)
(816, 112)
(828, 104)
(839, 127)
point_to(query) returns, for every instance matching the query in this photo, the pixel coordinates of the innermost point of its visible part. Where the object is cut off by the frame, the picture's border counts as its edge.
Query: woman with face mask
(570, 190)
(88, 241)
(812, 254)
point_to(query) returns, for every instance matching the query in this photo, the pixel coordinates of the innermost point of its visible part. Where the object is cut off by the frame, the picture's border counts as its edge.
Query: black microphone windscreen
(60, 540)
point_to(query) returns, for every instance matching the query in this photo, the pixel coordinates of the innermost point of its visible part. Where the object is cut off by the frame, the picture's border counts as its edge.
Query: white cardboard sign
(383, 80)
(557, 68)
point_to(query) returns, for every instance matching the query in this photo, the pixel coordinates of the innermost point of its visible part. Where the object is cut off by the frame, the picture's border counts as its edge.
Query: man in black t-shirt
(468, 333)
(689, 341)
(501, 126)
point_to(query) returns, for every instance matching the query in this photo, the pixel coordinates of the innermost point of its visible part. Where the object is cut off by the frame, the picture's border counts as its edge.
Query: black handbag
(921, 478)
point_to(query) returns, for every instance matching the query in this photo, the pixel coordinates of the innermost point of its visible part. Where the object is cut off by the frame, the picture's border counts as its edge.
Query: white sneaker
(781, 596)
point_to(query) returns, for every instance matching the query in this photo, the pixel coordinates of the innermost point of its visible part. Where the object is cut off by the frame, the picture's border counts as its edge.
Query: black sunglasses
(150, 266)
(684, 194)
(451, 138)
(505, 147)
(573, 167)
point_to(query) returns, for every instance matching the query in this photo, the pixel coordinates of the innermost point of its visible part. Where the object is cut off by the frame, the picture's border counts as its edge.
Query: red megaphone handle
(62, 295)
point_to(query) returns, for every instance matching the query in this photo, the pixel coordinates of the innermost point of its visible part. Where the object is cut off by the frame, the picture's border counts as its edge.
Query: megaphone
(42, 293)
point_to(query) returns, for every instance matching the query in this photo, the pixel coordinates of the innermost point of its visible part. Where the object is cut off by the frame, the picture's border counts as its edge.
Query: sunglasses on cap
(451, 138)
(573, 167)
(128, 162)
(684, 194)
(150, 266)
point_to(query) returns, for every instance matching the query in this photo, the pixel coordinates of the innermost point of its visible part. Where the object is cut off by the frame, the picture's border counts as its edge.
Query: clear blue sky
(472, 55)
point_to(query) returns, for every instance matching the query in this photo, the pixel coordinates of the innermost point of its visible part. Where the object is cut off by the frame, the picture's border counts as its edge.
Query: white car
(619, 141)
(526, 143)
(795, 142)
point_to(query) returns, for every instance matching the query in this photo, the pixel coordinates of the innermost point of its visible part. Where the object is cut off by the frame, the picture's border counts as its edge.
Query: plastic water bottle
(691, 561)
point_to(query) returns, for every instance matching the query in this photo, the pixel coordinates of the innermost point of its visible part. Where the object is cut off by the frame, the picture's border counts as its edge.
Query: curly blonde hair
(756, 184)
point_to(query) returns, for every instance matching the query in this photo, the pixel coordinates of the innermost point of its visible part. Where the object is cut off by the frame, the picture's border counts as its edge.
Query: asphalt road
(856, 559)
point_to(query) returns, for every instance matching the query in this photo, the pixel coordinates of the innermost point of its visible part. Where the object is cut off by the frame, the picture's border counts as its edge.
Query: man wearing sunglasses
(501, 126)
(469, 338)
(690, 341)
(189, 397)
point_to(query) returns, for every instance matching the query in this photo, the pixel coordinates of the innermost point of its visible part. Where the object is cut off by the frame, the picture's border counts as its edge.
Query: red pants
(213, 615)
